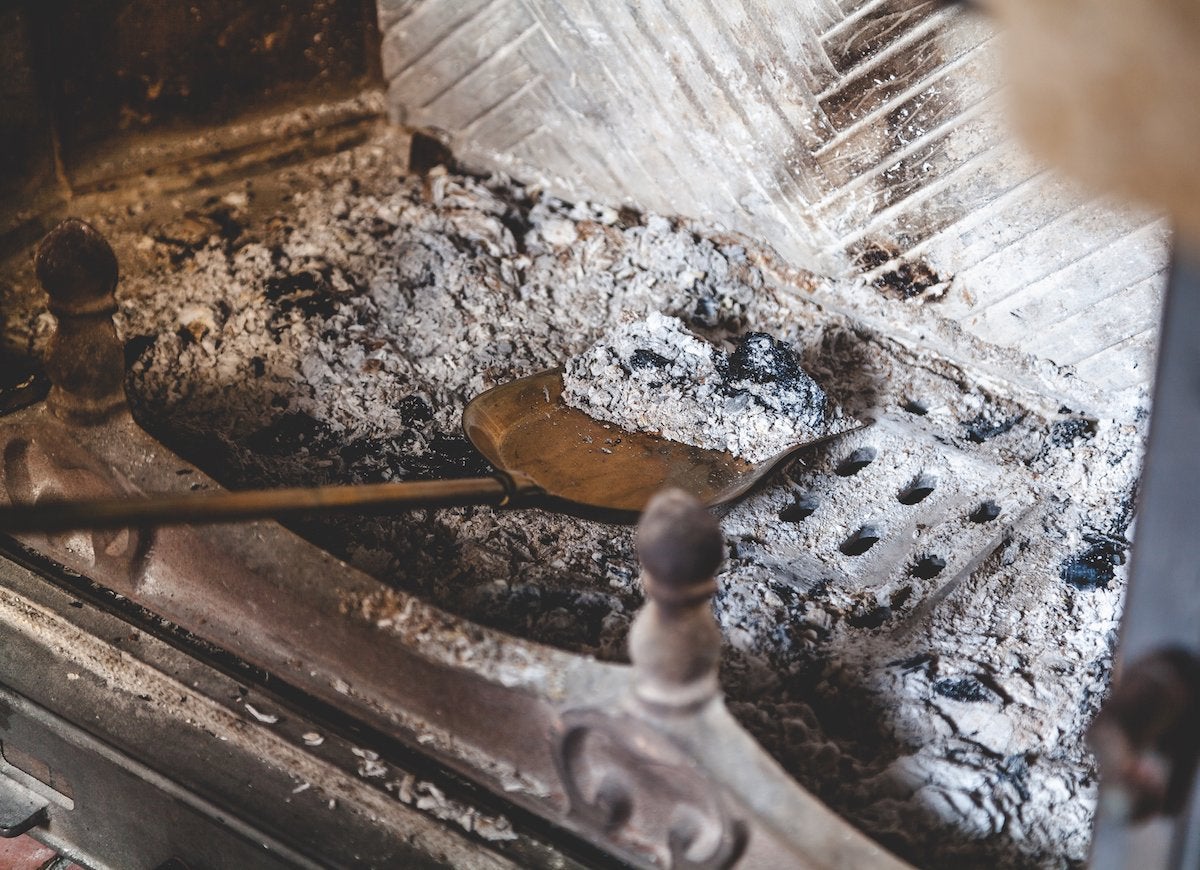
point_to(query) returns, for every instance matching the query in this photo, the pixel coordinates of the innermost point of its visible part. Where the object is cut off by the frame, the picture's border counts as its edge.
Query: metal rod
(1162, 607)
(216, 507)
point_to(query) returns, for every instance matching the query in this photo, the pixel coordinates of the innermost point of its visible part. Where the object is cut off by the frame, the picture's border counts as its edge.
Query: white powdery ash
(655, 375)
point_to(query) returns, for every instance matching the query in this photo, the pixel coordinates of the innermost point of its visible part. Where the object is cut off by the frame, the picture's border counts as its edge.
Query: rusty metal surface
(120, 67)
(93, 89)
(170, 735)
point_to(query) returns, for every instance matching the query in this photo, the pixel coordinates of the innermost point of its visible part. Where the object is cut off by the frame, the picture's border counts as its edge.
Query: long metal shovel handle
(499, 490)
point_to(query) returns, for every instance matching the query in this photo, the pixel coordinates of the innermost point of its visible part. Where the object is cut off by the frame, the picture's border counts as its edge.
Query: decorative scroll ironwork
(625, 781)
(37, 466)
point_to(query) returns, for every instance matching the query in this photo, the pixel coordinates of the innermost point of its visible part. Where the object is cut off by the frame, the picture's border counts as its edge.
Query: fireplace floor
(919, 617)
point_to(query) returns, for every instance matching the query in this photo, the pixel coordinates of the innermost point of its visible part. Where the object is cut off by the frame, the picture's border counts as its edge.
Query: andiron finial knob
(85, 361)
(675, 643)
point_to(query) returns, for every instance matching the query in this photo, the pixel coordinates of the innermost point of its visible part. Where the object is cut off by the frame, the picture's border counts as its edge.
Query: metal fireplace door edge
(497, 709)
(129, 753)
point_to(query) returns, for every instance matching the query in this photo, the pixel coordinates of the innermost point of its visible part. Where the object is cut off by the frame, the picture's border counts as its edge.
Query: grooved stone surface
(854, 136)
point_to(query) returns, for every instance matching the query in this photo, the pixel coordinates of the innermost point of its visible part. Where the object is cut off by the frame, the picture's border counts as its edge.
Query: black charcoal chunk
(965, 689)
(764, 360)
(643, 358)
(1095, 567)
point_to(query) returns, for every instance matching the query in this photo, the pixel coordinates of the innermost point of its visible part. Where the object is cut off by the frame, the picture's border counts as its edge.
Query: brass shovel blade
(524, 428)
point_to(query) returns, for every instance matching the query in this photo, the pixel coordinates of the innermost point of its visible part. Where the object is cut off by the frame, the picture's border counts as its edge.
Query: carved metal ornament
(40, 462)
(630, 784)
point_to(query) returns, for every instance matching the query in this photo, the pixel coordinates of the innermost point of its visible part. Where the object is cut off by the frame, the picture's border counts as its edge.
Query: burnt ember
(643, 358)
(762, 359)
(965, 689)
(1094, 567)
(314, 290)
(765, 360)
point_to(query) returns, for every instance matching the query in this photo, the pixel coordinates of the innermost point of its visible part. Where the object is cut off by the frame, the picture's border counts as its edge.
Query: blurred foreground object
(1106, 90)
(1146, 737)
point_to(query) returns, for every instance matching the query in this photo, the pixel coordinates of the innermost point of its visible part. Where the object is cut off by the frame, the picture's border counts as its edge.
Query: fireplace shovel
(547, 455)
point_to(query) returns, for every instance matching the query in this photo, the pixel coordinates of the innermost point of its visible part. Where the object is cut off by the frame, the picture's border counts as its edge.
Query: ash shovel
(548, 456)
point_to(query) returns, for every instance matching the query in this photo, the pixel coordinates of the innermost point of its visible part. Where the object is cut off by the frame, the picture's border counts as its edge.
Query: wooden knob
(77, 267)
(680, 546)
(675, 644)
(84, 360)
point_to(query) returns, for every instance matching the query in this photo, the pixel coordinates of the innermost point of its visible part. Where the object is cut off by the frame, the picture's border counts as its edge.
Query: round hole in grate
(856, 461)
(986, 512)
(919, 490)
(799, 510)
(862, 540)
(928, 567)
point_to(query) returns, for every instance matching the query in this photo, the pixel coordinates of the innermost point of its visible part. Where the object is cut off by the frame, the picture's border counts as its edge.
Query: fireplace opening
(313, 296)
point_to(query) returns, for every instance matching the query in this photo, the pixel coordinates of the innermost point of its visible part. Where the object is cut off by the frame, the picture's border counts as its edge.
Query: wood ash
(919, 617)
(654, 375)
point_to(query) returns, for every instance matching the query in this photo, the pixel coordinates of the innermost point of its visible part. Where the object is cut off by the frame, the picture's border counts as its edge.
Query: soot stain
(908, 280)
(288, 433)
(905, 280)
(985, 427)
(315, 291)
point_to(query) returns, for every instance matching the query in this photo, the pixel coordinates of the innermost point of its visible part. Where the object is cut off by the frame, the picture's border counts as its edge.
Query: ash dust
(655, 375)
(910, 629)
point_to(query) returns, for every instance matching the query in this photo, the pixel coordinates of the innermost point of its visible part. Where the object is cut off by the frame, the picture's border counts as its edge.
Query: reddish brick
(24, 853)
